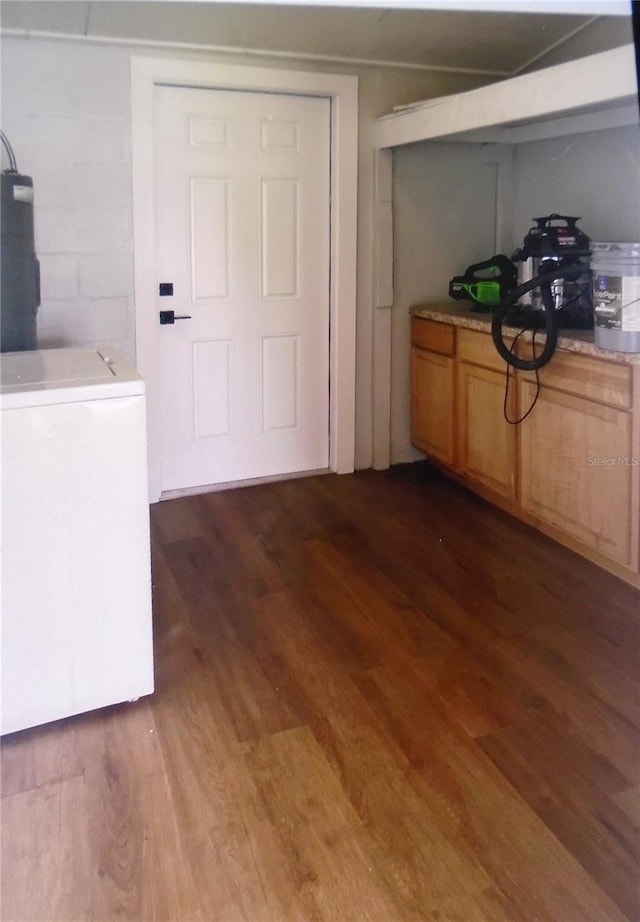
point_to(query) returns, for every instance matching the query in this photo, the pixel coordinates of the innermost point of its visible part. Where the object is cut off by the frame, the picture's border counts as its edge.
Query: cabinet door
(577, 470)
(432, 404)
(487, 443)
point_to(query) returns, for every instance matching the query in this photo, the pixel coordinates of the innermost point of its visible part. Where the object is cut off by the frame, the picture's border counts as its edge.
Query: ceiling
(495, 43)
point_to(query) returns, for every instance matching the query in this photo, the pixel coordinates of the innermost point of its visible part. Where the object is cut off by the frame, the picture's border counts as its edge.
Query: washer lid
(49, 376)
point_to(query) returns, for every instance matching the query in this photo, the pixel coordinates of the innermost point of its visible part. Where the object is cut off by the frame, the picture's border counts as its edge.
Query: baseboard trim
(237, 484)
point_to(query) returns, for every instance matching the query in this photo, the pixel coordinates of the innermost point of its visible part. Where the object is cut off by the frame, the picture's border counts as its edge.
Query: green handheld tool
(486, 284)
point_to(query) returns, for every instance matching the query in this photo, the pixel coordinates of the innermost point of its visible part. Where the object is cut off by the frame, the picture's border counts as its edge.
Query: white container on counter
(616, 295)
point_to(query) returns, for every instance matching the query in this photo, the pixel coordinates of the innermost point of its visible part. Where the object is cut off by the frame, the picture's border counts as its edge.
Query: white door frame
(146, 73)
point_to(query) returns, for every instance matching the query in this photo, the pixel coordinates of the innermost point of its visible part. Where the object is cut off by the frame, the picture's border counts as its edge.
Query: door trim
(342, 90)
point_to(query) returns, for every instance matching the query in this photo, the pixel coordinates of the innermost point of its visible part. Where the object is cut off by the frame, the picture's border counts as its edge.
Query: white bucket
(616, 295)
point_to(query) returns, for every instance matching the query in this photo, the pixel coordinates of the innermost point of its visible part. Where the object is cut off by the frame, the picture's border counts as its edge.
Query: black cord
(516, 422)
(543, 282)
(13, 166)
(635, 19)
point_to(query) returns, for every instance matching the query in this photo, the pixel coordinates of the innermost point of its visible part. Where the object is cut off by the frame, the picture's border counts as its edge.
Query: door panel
(487, 443)
(432, 404)
(209, 238)
(242, 223)
(564, 447)
(280, 382)
(280, 238)
(211, 388)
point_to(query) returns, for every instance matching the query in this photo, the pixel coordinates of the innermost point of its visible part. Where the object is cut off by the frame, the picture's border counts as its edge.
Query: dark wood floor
(377, 699)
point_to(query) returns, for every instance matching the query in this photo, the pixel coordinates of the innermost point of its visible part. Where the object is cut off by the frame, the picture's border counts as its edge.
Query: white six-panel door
(242, 199)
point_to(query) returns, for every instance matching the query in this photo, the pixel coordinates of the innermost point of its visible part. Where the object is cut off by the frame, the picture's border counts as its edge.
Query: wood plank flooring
(378, 700)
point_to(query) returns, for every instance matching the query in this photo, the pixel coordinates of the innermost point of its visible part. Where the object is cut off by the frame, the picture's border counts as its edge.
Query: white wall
(594, 175)
(445, 219)
(66, 109)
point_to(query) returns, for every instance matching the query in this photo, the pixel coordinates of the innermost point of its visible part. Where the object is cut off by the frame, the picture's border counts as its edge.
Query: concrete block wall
(70, 129)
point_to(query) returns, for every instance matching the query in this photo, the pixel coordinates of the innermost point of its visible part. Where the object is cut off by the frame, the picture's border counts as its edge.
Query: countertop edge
(578, 341)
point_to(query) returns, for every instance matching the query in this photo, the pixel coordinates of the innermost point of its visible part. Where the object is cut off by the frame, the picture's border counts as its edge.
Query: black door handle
(171, 317)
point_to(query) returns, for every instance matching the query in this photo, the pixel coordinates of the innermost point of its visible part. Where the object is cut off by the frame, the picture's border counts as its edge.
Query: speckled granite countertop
(571, 340)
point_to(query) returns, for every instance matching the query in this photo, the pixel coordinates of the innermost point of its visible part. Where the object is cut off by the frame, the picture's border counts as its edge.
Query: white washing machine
(76, 579)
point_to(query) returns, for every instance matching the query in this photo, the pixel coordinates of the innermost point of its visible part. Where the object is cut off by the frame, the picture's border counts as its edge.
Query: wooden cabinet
(457, 398)
(432, 404)
(579, 458)
(571, 468)
(477, 348)
(433, 389)
(487, 443)
(577, 470)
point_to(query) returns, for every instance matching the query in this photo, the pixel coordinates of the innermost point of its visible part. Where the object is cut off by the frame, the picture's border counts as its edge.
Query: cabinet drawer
(584, 376)
(437, 337)
(478, 349)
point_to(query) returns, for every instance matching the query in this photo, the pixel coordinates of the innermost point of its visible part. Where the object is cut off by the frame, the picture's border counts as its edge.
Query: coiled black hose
(544, 281)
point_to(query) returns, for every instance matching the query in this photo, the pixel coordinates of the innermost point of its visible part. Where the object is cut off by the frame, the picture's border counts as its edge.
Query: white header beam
(600, 81)
(566, 7)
